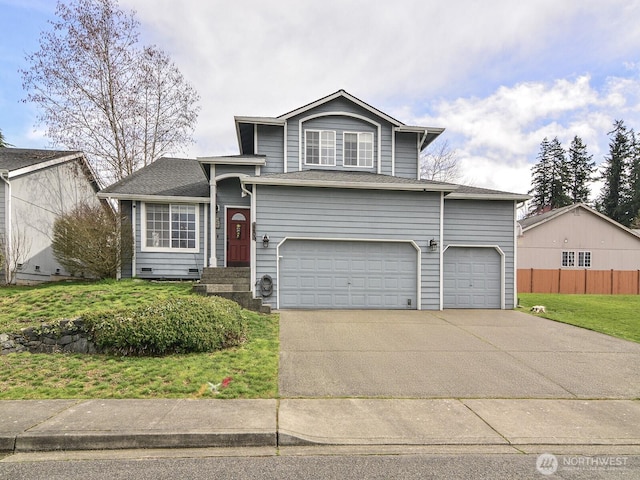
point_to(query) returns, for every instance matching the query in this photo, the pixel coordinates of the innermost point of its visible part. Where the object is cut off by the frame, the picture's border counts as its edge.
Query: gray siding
(406, 160)
(271, 144)
(354, 214)
(126, 216)
(338, 105)
(474, 222)
(169, 264)
(3, 206)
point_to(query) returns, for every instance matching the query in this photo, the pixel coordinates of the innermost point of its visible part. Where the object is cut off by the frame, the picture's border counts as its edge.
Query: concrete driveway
(450, 354)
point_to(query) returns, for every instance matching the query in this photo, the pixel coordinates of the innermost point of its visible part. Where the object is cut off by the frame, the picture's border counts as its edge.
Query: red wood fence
(614, 282)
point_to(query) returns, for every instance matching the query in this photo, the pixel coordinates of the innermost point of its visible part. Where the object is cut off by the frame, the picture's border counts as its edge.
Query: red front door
(238, 237)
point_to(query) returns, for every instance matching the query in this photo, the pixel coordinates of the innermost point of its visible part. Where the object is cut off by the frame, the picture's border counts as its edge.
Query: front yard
(615, 315)
(249, 371)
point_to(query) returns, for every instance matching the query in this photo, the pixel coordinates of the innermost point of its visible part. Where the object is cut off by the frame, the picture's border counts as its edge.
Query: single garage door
(472, 278)
(341, 274)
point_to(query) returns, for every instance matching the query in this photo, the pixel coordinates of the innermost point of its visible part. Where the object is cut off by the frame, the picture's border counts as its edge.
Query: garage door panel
(341, 274)
(472, 278)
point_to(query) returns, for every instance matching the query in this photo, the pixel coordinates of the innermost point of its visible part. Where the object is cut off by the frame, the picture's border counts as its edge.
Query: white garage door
(340, 274)
(472, 278)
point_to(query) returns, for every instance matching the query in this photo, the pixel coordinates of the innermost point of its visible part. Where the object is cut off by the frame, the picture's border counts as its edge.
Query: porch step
(233, 283)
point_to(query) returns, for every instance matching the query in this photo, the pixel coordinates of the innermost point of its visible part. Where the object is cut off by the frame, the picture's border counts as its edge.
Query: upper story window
(358, 149)
(170, 227)
(320, 147)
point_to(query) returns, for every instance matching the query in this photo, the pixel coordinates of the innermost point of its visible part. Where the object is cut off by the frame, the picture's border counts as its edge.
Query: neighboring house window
(320, 147)
(568, 259)
(358, 149)
(584, 259)
(169, 226)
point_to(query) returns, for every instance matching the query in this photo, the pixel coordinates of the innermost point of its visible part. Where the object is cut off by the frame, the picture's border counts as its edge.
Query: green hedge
(176, 325)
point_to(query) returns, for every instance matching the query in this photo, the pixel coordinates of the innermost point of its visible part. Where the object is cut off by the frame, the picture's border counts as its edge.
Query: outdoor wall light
(265, 241)
(433, 245)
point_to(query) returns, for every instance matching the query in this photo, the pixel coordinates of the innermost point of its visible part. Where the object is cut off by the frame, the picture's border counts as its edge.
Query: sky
(498, 75)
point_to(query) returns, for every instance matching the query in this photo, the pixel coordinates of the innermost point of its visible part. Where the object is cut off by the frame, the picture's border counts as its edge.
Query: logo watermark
(548, 464)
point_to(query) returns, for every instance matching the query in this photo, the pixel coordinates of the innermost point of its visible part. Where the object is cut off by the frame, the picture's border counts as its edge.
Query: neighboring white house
(36, 186)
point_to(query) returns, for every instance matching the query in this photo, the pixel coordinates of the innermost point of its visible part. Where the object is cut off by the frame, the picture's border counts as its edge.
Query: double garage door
(345, 274)
(472, 278)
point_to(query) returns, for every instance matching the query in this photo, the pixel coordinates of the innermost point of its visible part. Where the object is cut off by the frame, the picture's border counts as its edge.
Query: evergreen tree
(559, 175)
(3, 142)
(614, 198)
(633, 202)
(581, 169)
(541, 180)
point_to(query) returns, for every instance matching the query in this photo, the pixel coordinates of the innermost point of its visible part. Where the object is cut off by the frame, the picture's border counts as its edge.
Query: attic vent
(147, 269)
(194, 270)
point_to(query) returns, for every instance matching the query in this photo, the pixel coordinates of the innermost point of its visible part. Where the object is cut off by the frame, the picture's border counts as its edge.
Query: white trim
(418, 158)
(441, 252)
(351, 239)
(213, 213)
(516, 225)
(143, 229)
(153, 198)
(224, 238)
(320, 134)
(285, 146)
(488, 196)
(358, 151)
(206, 236)
(4, 175)
(502, 265)
(414, 187)
(134, 256)
(253, 243)
(42, 165)
(234, 160)
(338, 94)
(255, 139)
(393, 152)
(224, 176)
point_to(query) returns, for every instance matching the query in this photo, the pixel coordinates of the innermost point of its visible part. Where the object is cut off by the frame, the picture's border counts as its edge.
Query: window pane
(328, 148)
(350, 149)
(312, 141)
(157, 225)
(365, 146)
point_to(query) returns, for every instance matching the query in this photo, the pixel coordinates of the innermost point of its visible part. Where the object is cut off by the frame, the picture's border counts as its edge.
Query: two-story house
(325, 207)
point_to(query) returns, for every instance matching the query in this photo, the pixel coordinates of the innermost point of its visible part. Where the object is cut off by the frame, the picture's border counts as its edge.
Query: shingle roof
(169, 177)
(541, 217)
(348, 179)
(16, 158)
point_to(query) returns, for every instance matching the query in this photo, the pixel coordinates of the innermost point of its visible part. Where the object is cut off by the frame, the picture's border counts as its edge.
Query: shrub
(177, 325)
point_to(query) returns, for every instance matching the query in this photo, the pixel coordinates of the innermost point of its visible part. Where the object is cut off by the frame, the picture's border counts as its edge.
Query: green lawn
(616, 315)
(253, 368)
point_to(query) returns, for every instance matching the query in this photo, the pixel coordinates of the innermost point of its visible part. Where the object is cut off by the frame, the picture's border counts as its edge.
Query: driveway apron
(450, 354)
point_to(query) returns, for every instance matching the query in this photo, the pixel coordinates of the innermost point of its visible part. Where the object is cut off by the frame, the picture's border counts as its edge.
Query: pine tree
(559, 175)
(581, 169)
(541, 180)
(613, 200)
(633, 206)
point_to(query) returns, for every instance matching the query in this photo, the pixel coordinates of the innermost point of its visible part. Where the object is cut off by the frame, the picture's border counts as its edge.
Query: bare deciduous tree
(99, 92)
(439, 163)
(14, 251)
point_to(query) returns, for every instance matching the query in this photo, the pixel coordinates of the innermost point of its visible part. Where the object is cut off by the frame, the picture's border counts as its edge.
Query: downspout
(4, 174)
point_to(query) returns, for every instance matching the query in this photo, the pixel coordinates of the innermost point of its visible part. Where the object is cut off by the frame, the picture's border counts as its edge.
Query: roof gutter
(355, 185)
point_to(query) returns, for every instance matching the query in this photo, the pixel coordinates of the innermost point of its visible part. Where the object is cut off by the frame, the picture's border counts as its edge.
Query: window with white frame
(568, 259)
(584, 259)
(358, 149)
(170, 226)
(320, 147)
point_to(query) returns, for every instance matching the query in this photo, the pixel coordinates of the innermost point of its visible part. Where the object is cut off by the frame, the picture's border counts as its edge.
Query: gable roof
(430, 133)
(538, 220)
(181, 179)
(15, 162)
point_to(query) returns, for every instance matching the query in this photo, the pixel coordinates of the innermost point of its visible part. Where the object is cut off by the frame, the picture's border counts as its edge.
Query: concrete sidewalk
(500, 424)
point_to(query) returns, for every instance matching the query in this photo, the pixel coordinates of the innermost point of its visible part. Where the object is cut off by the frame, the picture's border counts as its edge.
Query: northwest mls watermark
(548, 464)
